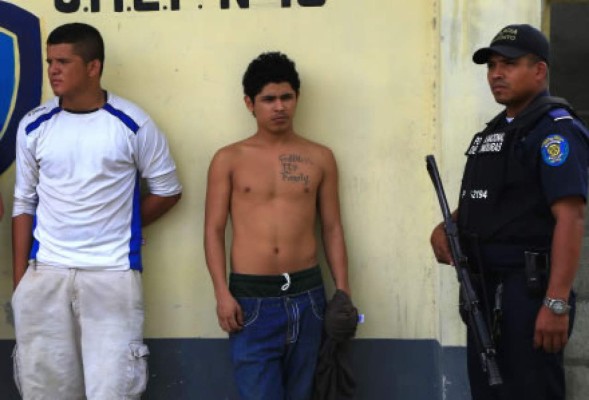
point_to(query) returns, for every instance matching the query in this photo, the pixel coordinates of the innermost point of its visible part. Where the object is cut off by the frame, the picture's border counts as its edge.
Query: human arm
(439, 242)
(331, 225)
(563, 172)
(22, 228)
(164, 193)
(24, 205)
(551, 332)
(157, 166)
(154, 206)
(218, 197)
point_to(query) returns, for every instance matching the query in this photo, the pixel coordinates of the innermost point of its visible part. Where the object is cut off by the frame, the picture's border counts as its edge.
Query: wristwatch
(557, 306)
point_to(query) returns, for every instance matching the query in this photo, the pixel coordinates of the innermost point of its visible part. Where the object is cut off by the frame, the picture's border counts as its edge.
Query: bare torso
(273, 205)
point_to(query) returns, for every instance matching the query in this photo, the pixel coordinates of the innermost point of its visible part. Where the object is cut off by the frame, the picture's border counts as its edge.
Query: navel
(276, 250)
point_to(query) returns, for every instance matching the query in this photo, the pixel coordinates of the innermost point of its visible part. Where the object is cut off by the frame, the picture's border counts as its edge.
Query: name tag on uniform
(491, 143)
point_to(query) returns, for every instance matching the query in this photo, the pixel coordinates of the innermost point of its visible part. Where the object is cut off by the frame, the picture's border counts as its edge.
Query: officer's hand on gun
(439, 242)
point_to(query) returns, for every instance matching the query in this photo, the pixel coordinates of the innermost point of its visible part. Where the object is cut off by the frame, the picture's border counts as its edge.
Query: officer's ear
(542, 69)
(540, 66)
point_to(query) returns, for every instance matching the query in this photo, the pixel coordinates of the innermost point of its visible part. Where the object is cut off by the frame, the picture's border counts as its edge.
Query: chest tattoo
(291, 168)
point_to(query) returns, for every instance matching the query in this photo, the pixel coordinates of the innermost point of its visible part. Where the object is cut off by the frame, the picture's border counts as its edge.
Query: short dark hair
(270, 67)
(534, 59)
(86, 40)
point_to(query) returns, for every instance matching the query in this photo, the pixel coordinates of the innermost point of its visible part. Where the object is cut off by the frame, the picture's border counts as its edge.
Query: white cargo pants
(79, 334)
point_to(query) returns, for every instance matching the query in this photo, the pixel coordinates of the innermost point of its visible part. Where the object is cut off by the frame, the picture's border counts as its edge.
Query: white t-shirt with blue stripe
(79, 174)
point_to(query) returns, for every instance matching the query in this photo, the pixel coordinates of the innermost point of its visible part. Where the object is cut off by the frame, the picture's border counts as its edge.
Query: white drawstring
(287, 284)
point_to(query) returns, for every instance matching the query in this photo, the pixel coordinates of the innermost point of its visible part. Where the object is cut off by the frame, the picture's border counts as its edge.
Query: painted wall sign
(21, 74)
(95, 6)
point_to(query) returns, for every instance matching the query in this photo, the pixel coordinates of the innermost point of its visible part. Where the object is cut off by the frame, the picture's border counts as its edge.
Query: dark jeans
(275, 355)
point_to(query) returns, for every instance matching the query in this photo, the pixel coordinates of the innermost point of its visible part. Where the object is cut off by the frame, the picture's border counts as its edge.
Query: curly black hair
(270, 67)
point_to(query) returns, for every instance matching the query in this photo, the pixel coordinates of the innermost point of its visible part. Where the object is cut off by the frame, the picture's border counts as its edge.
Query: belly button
(276, 251)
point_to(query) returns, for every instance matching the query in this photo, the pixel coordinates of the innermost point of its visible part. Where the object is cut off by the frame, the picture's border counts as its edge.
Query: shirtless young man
(274, 185)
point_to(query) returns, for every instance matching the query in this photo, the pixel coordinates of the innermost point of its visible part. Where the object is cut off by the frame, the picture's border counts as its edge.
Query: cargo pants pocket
(137, 369)
(16, 369)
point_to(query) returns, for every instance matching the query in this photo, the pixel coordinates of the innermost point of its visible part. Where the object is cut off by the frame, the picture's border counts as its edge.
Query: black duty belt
(506, 255)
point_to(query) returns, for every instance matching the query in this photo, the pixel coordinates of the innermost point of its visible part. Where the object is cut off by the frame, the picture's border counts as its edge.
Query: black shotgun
(475, 318)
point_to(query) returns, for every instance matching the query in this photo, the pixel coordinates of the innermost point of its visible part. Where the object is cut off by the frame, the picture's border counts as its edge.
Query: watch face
(558, 306)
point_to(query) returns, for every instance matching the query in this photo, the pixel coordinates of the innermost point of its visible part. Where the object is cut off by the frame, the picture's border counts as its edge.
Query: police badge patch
(555, 150)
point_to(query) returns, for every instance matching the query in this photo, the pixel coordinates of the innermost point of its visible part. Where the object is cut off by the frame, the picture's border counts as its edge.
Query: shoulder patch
(555, 150)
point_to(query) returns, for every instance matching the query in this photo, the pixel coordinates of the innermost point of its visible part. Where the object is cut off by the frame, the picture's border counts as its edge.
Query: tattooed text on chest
(290, 168)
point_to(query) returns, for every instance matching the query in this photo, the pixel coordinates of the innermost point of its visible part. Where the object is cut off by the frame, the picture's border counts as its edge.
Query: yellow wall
(383, 84)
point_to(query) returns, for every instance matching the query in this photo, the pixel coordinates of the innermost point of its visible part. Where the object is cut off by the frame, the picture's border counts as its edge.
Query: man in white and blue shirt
(80, 157)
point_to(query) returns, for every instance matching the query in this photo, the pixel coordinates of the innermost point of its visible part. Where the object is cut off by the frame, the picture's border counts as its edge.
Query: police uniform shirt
(513, 175)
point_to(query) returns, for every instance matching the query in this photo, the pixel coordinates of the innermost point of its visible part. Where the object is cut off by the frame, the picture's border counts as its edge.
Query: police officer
(520, 217)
